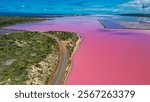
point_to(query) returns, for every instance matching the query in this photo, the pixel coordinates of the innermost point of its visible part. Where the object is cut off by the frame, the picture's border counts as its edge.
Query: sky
(75, 6)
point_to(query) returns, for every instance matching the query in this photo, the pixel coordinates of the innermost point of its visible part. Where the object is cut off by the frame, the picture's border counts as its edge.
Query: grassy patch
(7, 21)
(71, 39)
(19, 51)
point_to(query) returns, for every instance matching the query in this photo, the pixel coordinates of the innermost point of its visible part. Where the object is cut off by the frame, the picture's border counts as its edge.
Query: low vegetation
(31, 58)
(27, 58)
(7, 21)
(69, 38)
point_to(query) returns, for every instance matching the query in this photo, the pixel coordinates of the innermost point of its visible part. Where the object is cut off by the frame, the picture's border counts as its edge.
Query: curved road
(62, 64)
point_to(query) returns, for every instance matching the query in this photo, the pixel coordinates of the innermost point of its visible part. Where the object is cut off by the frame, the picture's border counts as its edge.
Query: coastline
(66, 66)
(80, 39)
(69, 67)
(68, 63)
(127, 45)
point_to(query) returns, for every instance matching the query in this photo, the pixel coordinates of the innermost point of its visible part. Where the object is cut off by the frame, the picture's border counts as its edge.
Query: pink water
(105, 56)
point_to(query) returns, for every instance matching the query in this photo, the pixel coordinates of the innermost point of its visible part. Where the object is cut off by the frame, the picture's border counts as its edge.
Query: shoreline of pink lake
(105, 56)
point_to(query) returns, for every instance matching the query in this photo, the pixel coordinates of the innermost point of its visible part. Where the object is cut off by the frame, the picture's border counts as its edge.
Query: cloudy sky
(75, 6)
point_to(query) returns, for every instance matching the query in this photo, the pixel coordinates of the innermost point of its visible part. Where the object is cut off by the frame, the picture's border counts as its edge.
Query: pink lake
(105, 56)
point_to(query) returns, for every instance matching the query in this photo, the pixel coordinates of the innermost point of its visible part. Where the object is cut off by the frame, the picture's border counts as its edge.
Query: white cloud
(110, 9)
(137, 4)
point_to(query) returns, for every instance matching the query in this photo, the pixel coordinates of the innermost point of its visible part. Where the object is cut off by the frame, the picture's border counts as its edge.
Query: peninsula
(35, 58)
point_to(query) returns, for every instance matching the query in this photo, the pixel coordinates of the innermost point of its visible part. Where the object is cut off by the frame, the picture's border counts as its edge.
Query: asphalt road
(62, 64)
